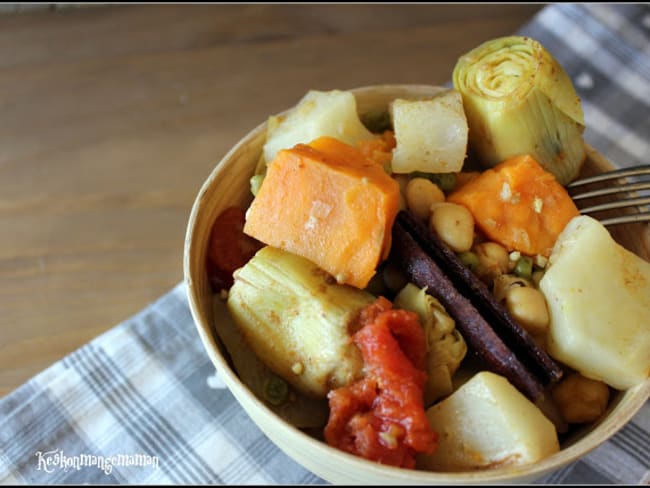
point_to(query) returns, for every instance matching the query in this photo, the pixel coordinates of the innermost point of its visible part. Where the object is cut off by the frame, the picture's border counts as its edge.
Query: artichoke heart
(298, 320)
(519, 100)
(297, 409)
(446, 347)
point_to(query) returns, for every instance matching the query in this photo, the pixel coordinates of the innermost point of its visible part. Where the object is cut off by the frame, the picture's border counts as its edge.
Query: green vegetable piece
(469, 259)
(276, 390)
(524, 267)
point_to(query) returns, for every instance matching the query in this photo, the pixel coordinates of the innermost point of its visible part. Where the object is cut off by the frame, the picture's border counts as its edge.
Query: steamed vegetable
(431, 134)
(306, 327)
(326, 202)
(519, 100)
(297, 320)
(488, 423)
(297, 409)
(446, 347)
(598, 295)
(319, 113)
(518, 204)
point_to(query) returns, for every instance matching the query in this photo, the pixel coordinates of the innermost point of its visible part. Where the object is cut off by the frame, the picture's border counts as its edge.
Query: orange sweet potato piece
(379, 149)
(518, 204)
(326, 202)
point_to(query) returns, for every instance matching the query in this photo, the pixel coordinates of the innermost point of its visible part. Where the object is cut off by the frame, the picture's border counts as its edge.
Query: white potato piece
(488, 423)
(598, 296)
(431, 135)
(319, 113)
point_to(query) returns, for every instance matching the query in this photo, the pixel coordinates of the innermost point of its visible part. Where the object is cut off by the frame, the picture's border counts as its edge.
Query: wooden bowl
(228, 184)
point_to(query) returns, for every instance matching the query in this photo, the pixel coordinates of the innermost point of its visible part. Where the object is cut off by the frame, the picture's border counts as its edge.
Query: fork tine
(629, 202)
(627, 219)
(614, 189)
(643, 169)
(611, 190)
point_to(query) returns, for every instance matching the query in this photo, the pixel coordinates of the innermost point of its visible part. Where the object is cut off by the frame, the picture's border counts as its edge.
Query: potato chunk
(598, 295)
(319, 113)
(488, 423)
(431, 134)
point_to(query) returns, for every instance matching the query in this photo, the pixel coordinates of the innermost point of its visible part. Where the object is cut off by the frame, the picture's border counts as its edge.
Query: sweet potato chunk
(519, 205)
(324, 201)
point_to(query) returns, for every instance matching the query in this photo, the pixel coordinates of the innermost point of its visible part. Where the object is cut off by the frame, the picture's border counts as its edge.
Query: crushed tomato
(229, 247)
(381, 417)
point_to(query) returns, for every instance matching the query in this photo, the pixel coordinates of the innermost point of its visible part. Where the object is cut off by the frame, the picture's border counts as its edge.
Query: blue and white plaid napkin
(142, 403)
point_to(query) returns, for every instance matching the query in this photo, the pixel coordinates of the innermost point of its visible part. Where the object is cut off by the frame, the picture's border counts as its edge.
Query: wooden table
(111, 117)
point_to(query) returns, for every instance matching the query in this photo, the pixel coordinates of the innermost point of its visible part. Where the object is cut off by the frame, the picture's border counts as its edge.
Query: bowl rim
(595, 438)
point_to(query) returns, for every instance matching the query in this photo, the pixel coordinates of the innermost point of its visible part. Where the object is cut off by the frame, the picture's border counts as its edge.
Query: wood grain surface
(112, 117)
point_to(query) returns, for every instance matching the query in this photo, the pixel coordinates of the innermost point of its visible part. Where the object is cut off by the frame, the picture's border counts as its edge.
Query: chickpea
(503, 282)
(493, 261)
(527, 306)
(454, 225)
(420, 194)
(580, 399)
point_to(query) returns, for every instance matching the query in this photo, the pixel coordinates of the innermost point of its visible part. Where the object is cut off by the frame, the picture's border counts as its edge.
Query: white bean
(528, 307)
(581, 399)
(504, 282)
(420, 195)
(454, 224)
(493, 260)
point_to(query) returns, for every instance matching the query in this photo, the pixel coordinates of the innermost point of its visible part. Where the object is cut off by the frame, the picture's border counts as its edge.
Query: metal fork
(620, 183)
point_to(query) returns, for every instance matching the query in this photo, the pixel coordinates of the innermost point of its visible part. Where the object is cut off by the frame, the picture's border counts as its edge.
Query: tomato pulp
(229, 248)
(381, 417)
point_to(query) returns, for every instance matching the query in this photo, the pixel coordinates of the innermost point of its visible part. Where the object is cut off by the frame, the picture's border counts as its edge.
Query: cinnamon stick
(481, 338)
(509, 330)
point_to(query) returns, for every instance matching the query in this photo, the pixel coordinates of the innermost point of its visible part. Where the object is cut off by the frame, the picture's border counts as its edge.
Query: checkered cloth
(142, 403)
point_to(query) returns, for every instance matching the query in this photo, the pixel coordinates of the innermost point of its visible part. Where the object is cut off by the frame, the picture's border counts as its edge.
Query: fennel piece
(298, 320)
(519, 100)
